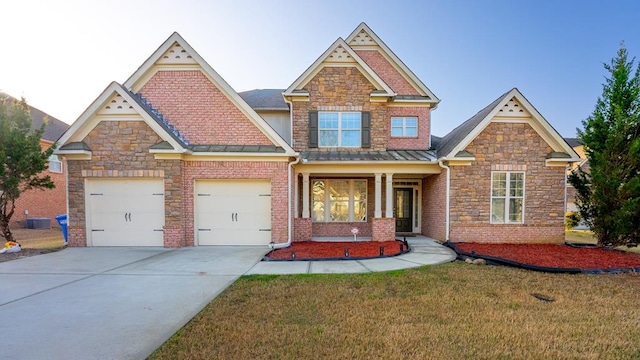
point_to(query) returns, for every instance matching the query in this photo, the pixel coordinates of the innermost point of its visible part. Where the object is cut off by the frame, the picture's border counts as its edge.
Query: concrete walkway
(424, 251)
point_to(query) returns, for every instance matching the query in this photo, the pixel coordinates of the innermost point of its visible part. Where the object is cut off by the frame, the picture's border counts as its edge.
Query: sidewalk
(424, 251)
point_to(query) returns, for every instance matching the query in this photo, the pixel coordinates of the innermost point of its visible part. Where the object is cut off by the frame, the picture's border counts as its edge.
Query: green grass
(452, 311)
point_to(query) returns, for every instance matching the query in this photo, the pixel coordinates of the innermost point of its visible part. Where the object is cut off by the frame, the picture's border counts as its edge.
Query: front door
(403, 208)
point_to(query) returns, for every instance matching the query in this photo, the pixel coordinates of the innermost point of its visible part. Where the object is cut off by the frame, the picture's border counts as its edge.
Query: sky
(60, 55)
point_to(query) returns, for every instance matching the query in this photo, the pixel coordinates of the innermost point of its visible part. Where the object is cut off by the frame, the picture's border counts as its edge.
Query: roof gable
(115, 103)
(364, 38)
(176, 54)
(339, 54)
(511, 106)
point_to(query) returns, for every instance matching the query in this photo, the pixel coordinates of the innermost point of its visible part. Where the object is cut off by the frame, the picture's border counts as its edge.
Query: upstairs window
(55, 165)
(339, 129)
(404, 126)
(507, 197)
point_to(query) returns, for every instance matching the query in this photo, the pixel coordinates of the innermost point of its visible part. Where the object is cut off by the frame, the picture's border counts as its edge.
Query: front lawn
(452, 311)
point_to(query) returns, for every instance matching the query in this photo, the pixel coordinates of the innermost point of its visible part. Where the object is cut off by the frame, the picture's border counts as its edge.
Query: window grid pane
(404, 126)
(507, 197)
(339, 129)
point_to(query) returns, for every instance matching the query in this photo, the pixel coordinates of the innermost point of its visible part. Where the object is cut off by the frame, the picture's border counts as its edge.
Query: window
(55, 165)
(339, 200)
(339, 129)
(404, 126)
(507, 197)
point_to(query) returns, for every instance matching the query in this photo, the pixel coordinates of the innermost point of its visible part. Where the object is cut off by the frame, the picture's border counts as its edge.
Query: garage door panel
(125, 212)
(233, 212)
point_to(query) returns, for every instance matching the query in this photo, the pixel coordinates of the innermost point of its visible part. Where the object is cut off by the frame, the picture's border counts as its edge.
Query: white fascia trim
(561, 161)
(218, 81)
(72, 152)
(316, 67)
(88, 120)
(396, 60)
(537, 122)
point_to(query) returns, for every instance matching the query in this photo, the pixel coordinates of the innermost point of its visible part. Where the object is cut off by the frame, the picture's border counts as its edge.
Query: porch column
(378, 208)
(305, 195)
(389, 210)
(296, 196)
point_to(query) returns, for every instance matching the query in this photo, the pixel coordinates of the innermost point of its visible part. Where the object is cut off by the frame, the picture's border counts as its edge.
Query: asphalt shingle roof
(265, 99)
(55, 128)
(573, 142)
(452, 139)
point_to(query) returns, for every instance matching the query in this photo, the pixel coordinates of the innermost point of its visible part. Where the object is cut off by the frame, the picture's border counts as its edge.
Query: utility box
(38, 223)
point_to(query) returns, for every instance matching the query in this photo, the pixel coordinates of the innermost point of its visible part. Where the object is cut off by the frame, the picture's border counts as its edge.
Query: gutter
(289, 214)
(447, 225)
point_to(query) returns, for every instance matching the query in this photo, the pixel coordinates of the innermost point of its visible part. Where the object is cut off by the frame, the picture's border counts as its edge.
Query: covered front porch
(376, 200)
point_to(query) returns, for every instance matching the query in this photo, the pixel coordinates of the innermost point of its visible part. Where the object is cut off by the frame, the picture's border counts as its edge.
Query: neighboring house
(571, 206)
(175, 157)
(43, 203)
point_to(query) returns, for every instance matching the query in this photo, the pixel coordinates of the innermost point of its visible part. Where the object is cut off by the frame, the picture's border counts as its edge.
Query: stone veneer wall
(276, 172)
(121, 149)
(339, 89)
(512, 147)
(434, 202)
(199, 110)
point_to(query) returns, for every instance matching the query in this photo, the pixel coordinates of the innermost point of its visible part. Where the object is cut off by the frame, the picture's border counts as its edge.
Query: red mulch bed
(554, 256)
(334, 250)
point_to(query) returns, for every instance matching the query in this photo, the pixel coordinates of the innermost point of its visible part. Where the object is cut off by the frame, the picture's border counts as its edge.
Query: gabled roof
(177, 53)
(339, 53)
(54, 129)
(460, 137)
(364, 36)
(453, 138)
(88, 120)
(265, 99)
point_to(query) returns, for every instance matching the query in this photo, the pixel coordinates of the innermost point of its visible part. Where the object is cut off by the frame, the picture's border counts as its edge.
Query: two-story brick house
(175, 157)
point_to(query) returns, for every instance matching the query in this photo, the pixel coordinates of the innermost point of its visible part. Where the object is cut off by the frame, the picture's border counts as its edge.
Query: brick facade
(42, 202)
(275, 172)
(199, 110)
(121, 149)
(503, 146)
(383, 229)
(434, 209)
(422, 141)
(387, 72)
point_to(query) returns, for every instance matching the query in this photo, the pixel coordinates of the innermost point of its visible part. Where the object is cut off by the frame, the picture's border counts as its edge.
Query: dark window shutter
(313, 129)
(366, 129)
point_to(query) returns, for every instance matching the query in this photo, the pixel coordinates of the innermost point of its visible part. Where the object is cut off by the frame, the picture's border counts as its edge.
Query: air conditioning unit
(38, 223)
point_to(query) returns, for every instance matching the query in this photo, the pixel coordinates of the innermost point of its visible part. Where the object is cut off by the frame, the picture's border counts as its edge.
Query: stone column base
(174, 237)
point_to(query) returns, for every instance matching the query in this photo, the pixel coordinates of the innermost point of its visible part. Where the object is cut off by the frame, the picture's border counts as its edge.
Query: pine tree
(23, 160)
(608, 194)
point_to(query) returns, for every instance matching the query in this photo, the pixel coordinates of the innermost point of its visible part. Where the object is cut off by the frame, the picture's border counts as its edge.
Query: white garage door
(233, 212)
(123, 212)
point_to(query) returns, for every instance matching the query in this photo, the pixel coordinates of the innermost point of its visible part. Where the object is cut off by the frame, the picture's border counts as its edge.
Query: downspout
(442, 165)
(289, 185)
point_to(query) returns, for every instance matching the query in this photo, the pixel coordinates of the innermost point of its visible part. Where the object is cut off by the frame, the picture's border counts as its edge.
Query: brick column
(302, 229)
(383, 229)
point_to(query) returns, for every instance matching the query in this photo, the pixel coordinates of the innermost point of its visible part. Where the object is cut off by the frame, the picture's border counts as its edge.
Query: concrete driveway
(110, 303)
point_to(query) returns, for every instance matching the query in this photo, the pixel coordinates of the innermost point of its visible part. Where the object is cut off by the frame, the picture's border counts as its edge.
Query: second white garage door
(234, 212)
